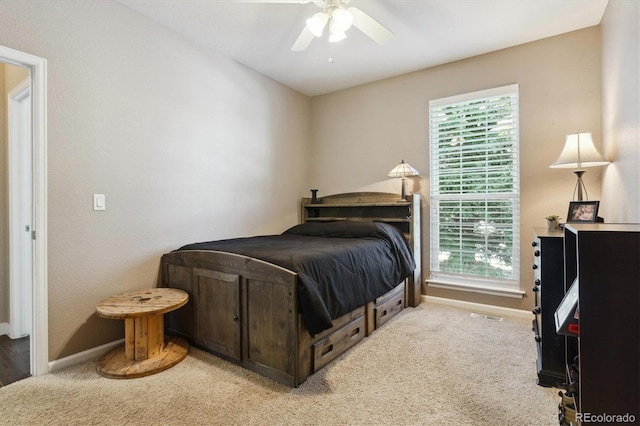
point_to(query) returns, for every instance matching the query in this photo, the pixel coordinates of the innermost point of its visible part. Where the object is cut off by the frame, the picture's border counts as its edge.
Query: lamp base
(580, 188)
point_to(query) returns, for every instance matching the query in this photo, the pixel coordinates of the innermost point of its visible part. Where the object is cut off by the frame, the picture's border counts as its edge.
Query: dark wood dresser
(604, 374)
(548, 288)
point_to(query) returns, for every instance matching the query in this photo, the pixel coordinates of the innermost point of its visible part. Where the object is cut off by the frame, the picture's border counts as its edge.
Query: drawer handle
(383, 313)
(326, 350)
(355, 331)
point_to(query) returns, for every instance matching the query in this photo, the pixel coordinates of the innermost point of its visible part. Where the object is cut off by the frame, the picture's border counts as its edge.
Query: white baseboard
(4, 328)
(87, 355)
(479, 307)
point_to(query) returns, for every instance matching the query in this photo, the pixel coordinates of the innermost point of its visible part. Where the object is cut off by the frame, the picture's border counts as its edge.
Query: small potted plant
(552, 222)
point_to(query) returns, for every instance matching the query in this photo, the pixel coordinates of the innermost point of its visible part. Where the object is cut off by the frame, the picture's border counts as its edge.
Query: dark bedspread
(340, 265)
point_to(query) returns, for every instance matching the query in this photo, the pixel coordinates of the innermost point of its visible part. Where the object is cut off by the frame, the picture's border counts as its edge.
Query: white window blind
(475, 188)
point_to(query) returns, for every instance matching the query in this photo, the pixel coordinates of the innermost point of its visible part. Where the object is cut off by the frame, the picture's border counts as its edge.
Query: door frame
(39, 341)
(20, 209)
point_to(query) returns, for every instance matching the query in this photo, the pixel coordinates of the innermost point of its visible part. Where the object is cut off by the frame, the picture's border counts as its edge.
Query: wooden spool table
(146, 350)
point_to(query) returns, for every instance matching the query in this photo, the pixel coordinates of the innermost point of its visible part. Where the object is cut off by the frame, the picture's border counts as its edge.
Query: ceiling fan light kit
(339, 19)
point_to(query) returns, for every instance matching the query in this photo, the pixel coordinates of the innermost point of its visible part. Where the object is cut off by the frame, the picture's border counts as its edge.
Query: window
(475, 191)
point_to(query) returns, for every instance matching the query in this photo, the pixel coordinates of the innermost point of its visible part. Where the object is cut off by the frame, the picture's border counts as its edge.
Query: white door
(20, 209)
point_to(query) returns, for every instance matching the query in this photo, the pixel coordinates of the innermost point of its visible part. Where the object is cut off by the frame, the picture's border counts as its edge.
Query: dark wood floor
(14, 359)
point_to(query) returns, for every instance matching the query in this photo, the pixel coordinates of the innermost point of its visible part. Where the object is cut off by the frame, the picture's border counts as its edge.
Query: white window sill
(475, 288)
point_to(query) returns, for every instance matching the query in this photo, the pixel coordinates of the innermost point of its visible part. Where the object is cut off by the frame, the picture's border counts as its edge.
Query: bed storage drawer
(389, 306)
(335, 344)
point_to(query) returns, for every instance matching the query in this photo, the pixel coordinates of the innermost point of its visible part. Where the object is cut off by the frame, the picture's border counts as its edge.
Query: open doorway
(23, 290)
(16, 282)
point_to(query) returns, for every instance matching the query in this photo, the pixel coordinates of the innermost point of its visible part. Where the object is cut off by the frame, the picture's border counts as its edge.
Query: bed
(271, 303)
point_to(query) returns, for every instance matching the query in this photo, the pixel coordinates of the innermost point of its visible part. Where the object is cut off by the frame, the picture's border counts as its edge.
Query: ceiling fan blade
(275, 1)
(303, 41)
(374, 29)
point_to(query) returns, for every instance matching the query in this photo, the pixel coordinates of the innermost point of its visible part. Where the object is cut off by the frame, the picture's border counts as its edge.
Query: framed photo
(583, 211)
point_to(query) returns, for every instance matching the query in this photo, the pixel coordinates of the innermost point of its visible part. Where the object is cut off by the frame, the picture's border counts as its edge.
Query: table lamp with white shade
(579, 153)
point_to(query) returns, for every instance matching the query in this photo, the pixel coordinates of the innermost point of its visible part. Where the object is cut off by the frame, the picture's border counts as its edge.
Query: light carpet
(431, 365)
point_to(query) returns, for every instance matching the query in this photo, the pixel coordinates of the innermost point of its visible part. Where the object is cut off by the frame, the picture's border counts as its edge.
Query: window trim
(493, 286)
(470, 286)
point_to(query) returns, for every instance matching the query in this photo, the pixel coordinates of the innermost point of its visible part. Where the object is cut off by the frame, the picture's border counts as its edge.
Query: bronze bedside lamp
(403, 170)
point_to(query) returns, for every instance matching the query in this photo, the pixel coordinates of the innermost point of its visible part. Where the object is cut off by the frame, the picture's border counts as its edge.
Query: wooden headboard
(373, 207)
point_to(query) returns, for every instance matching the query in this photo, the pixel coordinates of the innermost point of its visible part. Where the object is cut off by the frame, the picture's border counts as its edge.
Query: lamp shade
(336, 36)
(579, 152)
(403, 170)
(317, 23)
(342, 20)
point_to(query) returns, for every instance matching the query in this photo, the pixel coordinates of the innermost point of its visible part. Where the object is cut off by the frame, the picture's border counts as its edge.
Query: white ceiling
(427, 33)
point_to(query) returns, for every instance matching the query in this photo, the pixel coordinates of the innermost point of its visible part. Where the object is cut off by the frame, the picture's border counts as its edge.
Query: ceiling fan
(338, 18)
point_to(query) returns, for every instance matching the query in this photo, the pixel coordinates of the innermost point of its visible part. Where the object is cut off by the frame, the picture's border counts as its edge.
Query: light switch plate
(99, 202)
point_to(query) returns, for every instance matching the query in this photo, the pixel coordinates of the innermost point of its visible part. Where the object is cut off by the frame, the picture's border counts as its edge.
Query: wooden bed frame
(246, 310)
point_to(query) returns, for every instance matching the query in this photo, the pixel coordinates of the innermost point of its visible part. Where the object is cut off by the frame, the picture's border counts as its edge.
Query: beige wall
(10, 77)
(186, 144)
(621, 111)
(359, 134)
